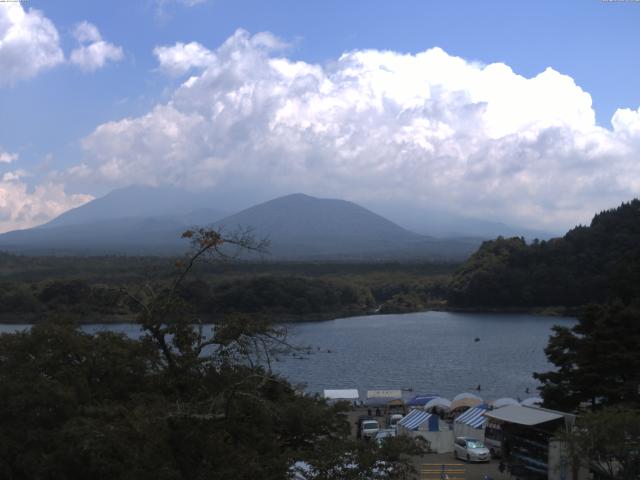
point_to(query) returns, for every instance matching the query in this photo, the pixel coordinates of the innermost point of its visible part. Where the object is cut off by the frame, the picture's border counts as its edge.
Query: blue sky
(46, 117)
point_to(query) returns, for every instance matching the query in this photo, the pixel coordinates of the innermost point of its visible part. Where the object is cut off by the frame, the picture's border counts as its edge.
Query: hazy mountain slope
(303, 226)
(444, 224)
(142, 202)
(299, 227)
(117, 236)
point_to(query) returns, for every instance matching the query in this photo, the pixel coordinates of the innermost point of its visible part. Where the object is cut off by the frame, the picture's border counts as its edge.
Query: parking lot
(430, 465)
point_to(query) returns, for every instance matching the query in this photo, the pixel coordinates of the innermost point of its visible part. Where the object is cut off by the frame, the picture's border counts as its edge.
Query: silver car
(471, 450)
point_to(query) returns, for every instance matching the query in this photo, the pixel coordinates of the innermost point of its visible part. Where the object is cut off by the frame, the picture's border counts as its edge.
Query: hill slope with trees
(590, 264)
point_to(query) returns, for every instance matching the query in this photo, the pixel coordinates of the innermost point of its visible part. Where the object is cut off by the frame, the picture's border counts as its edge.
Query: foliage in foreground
(179, 403)
(609, 440)
(597, 360)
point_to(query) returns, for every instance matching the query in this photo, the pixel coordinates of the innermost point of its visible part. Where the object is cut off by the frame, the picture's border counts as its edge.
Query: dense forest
(590, 264)
(96, 288)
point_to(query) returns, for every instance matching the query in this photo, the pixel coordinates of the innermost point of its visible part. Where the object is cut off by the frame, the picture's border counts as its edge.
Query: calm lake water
(431, 352)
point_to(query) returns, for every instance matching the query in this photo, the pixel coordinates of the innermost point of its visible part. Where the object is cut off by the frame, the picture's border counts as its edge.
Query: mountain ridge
(145, 220)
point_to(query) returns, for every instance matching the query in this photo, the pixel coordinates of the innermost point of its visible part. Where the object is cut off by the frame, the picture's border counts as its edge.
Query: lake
(431, 352)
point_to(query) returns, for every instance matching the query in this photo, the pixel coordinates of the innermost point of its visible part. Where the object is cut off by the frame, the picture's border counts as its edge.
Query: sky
(522, 112)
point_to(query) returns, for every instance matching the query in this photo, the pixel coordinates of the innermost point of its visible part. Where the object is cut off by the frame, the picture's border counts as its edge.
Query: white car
(394, 419)
(471, 450)
(369, 428)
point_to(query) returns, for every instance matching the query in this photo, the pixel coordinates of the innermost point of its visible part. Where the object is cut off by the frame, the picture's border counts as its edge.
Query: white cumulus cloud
(21, 207)
(6, 157)
(29, 43)
(426, 129)
(93, 52)
(180, 58)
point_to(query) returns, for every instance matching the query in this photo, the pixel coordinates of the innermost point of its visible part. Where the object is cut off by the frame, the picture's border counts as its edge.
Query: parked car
(367, 427)
(471, 450)
(393, 419)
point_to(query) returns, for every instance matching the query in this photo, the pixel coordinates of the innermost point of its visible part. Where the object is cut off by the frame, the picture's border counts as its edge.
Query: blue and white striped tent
(417, 418)
(470, 424)
(474, 417)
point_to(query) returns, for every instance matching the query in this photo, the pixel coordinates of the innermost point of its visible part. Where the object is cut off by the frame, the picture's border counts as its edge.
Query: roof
(523, 415)
(395, 394)
(347, 394)
(414, 419)
(474, 417)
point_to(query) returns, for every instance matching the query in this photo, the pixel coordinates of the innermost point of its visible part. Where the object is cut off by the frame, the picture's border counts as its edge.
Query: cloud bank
(21, 207)
(29, 43)
(422, 130)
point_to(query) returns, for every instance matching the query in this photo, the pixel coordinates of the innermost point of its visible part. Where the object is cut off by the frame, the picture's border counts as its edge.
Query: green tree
(607, 441)
(597, 360)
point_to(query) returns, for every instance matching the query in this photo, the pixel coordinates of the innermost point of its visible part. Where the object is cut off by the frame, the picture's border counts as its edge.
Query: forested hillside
(590, 264)
(93, 289)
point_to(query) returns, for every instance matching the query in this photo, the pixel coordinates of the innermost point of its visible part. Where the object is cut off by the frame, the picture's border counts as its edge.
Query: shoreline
(92, 319)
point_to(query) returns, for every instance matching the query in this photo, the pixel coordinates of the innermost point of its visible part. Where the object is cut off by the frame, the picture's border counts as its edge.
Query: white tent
(460, 396)
(470, 424)
(530, 402)
(438, 402)
(503, 402)
(338, 395)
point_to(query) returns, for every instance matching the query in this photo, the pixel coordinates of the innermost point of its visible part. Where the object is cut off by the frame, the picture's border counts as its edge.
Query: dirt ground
(429, 466)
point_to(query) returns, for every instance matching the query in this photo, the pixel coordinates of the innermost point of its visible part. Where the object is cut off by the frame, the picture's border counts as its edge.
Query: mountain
(132, 220)
(136, 201)
(594, 263)
(299, 226)
(133, 236)
(145, 220)
(445, 224)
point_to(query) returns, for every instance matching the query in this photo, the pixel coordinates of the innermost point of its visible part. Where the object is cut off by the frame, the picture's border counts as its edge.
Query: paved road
(472, 471)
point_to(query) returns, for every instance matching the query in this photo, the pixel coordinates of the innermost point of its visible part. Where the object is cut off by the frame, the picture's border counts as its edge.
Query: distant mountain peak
(146, 220)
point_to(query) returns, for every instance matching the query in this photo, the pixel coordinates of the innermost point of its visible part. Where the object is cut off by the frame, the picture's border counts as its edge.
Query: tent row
(428, 402)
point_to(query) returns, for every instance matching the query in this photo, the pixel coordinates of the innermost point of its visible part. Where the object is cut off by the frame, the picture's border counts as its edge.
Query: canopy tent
(438, 402)
(460, 396)
(503, 402)
(420, 400)
(428, 427)
(337, 395)
(474, 417)
(465, 403)
(380, 398)
(531, 402)
(419, 419)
